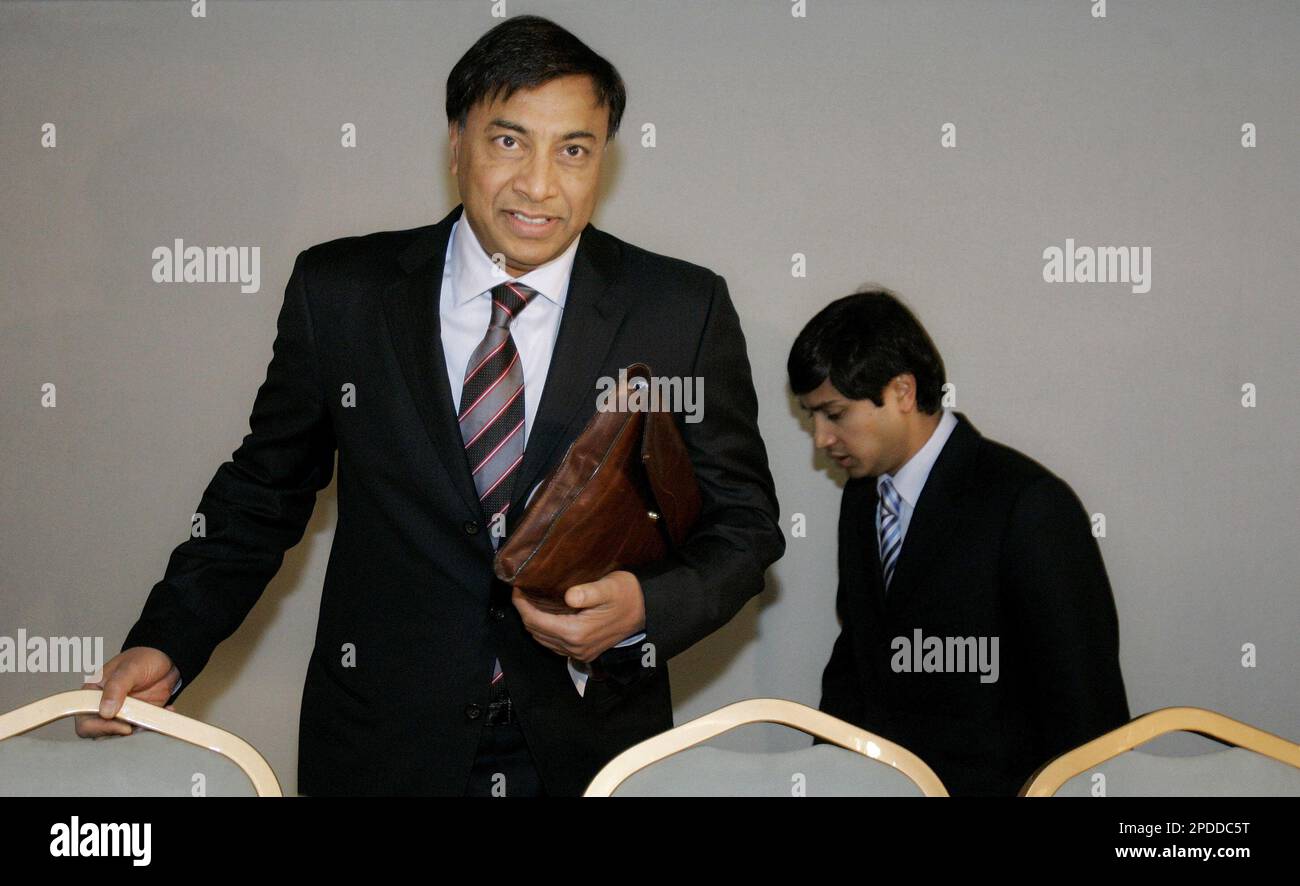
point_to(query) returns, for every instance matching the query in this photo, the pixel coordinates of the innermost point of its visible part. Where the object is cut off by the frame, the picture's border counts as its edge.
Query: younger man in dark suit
(978, 626)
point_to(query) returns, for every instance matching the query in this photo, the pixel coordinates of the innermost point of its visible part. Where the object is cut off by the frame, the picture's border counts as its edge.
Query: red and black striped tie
(492, 415)
(492, 404)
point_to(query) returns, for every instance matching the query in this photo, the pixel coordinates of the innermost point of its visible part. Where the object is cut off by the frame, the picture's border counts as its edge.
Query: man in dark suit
(450, 366)
(978, 626)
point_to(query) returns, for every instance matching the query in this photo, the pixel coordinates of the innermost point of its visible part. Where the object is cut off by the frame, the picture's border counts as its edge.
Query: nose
(823, 438)
(535, 179)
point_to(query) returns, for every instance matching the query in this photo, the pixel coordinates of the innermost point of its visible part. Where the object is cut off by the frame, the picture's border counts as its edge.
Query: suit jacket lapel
(873, 580)
(591, 316)
(936, 511)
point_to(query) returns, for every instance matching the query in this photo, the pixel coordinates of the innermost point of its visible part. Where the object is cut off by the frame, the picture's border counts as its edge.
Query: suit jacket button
(497, 613)
(470, 527)
(472, 711)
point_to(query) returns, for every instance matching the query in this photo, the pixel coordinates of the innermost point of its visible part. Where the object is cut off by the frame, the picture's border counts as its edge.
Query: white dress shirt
(465, 307)
(910, 478)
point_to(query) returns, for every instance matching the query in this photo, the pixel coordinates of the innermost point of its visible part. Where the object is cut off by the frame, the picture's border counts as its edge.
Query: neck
(919, 433)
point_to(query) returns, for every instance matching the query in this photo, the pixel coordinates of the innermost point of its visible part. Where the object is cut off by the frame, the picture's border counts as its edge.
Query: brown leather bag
(623, 495)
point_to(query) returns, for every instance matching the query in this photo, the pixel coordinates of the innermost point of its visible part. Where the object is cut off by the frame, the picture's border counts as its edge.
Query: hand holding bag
(623, 495)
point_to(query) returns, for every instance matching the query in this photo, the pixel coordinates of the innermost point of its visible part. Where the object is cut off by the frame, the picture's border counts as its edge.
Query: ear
(453, 139)
(904, 386)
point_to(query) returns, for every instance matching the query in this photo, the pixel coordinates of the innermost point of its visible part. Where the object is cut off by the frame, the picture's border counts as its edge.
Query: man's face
(865, 439)
(538, 154)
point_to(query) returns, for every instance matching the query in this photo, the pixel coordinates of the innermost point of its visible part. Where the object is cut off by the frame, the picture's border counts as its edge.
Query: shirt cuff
(579, 677)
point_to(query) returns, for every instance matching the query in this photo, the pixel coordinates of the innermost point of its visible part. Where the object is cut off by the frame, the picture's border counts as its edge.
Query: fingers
(585, 596)
(117, 684)
(581, 632)
(540, 622)
(144, 674)
(559, 633)
(92, 726)
(547, 604)
(552, 644)
(545, 626)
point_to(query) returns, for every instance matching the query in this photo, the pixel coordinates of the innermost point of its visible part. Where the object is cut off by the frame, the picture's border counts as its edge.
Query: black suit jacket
(999, 547)
(409, 585)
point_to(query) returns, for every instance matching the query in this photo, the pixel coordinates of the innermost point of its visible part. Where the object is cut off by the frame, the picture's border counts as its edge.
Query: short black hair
(523, 53)
(861, 342)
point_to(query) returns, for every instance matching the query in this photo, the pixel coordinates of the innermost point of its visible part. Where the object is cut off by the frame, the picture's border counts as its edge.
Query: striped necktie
(492, 415)
(891, 528)
(492, 404)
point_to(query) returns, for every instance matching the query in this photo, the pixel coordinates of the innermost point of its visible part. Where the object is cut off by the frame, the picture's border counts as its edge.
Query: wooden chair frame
(765, 710)
(1049, 777)
(153, 717)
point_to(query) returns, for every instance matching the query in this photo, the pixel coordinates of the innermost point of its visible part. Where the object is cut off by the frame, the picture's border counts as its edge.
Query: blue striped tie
(891, 528)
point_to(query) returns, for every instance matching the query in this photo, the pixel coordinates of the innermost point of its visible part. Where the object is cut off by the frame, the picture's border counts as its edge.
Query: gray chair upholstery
(1230, 772)
(827, 770)
(143, 764)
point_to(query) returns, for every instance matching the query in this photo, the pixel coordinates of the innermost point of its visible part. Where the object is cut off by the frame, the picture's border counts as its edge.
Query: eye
(835, 417)
(511, 137)
(575, 156)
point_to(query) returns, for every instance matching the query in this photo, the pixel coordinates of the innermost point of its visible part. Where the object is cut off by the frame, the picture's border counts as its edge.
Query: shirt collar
(911, 477)
(473, 273)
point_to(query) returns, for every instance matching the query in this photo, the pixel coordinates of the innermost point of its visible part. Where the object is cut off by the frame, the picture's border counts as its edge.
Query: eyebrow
(820, 406)
(510, 124)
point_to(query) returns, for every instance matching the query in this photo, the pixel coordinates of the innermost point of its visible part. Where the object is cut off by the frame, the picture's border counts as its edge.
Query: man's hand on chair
(141, 672)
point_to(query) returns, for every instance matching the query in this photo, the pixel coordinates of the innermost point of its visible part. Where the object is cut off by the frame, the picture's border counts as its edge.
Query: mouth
(526, 225)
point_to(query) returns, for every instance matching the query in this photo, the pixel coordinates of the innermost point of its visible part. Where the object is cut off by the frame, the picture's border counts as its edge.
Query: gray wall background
(776, 135)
